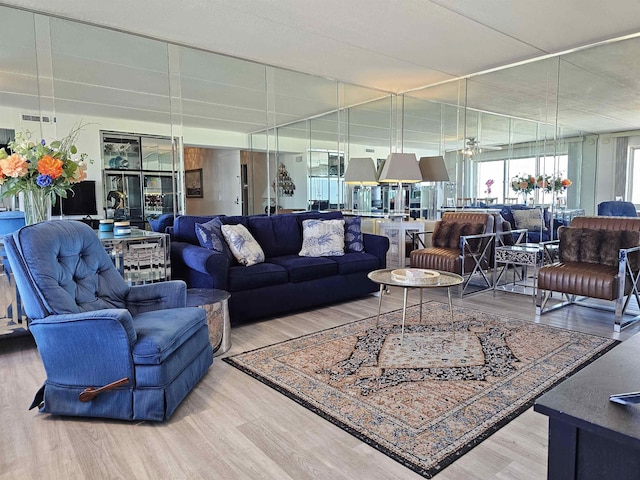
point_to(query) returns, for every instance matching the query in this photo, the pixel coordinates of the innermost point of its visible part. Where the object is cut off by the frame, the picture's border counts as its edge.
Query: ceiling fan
(473, 147)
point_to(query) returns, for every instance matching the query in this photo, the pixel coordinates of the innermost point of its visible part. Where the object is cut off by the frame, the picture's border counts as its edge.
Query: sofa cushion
(184, 227)
(301, 269)
(322, 238)
(161, 332)
(277, 234)
(353, 240)
(356, 262)
(242, 244)
(235, 220)
(332, 215)
(256, 276)
(596, 281)
(210, 236)
(530, 219)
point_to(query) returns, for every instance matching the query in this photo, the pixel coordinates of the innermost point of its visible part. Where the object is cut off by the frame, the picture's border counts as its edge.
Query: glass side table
(215, 303)
(524, 255)
(140, 257)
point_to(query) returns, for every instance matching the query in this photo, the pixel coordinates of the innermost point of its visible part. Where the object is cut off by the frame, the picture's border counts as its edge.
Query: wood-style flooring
(233, 427)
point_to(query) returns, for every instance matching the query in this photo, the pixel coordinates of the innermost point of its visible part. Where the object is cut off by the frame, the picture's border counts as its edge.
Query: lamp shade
(361, 171)
(433, 169)
(401, 168)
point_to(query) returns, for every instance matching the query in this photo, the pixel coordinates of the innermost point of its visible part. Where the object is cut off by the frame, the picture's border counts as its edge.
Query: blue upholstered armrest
(99, 342)
(205, 261)
(376, 245)
(157, 296)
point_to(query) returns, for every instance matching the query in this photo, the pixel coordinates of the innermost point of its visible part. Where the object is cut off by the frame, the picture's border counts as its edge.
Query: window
(502, 171)
(634, 177)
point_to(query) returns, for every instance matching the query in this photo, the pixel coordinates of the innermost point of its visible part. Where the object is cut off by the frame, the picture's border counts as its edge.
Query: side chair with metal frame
(463, 244)
(615, 276)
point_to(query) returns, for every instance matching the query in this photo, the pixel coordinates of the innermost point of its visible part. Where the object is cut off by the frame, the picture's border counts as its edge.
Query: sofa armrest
(202, 260)
(157, 296)
(376, 245)
(99, 342)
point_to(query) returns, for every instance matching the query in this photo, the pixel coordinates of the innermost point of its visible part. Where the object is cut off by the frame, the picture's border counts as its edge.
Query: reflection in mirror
(19, 74)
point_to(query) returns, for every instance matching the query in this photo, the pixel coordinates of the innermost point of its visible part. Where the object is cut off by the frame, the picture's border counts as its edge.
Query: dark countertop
(583, 399)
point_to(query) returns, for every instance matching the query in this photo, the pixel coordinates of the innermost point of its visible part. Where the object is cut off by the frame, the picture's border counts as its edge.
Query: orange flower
(14, 166)
(79, 175)
(48, 165)
(566, 182)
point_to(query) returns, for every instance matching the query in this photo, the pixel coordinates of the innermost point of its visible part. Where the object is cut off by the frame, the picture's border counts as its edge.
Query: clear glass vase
(36, 206)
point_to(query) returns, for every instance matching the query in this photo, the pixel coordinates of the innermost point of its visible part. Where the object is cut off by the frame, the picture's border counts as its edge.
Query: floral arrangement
(549, 183)
(41, 171)
(523, 184)
(488, 183)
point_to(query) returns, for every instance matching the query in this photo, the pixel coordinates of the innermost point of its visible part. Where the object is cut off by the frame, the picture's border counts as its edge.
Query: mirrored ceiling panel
(221, 93)
(18, 63)
(103, 73)
(600, 88)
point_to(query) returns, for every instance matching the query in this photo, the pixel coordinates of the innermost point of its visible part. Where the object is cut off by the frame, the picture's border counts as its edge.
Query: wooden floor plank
(234, 427)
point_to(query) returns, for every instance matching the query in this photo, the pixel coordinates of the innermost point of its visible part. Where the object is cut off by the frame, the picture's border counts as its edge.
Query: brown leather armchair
(462, 243)
(598, 258)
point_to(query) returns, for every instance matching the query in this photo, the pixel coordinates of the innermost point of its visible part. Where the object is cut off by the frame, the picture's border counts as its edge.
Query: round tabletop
(197, 297)
(445, 279)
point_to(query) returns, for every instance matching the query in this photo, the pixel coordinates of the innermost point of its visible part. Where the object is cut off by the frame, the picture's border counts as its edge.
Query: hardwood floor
(233, 427)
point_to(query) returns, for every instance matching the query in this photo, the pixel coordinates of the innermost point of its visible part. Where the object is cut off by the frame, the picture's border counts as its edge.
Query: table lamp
(433, 169)
(400, 168)
(362, 172)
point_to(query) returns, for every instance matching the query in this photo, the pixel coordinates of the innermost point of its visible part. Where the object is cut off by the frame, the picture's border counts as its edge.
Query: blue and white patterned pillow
(209, 236)
(322, 238)
(242, 244)
(353, 241)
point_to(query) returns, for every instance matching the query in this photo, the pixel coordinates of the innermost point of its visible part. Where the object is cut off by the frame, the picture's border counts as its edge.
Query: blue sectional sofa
(285, 282)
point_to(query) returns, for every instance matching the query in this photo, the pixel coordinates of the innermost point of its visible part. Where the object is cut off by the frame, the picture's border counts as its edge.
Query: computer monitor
(81, 200)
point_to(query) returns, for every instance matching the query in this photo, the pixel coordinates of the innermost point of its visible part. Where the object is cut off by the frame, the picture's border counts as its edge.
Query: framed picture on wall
(193, 183)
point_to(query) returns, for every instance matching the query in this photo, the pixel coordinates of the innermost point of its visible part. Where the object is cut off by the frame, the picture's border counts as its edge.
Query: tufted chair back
(61, 267)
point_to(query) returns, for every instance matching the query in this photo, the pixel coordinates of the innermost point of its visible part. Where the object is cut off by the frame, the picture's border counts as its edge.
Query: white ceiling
(391, 45)
(394, 45)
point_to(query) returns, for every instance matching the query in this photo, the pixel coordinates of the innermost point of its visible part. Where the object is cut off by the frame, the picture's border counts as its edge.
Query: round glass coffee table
(443, 280)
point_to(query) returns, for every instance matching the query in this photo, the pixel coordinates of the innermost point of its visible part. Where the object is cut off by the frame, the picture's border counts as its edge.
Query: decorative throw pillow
(440, 237)
(531, 219)
(457, 230)
(353, 241)
(590, 245)
(570, 243)
(610, 246)
(242, 244)
(322, 238)
(210, 236)
(473, 229)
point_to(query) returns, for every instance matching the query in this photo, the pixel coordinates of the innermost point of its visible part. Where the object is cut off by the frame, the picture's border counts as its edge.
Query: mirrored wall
(266, 139)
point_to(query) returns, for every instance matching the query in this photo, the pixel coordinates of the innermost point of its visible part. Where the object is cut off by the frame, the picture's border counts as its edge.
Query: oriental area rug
(431, 399)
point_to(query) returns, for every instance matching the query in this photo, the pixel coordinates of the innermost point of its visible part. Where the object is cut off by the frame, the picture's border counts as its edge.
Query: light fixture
(433, 169)
(362, 172)
(400, 168)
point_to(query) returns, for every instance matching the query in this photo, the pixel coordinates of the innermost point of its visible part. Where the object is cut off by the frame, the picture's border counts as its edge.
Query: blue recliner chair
(617, 209)
(109, 350)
